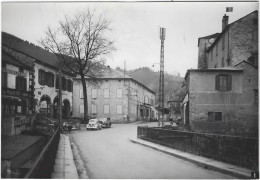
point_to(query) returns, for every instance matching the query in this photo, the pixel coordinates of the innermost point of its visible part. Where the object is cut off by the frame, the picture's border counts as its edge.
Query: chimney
(224, 22)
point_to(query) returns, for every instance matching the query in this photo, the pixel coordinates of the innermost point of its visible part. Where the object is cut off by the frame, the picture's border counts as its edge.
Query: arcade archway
(45, 105)
(65, 108)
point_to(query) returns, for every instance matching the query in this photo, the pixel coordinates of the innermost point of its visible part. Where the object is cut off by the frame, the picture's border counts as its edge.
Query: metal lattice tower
(161, 81)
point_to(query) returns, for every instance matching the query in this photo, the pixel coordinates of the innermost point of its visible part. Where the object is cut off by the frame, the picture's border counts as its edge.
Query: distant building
(41, 79)
(115, 95)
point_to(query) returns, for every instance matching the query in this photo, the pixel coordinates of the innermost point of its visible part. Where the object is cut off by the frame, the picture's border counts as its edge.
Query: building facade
(237, 42)
(117, 96)
(223, 100)
(41, 79)
(222, 94)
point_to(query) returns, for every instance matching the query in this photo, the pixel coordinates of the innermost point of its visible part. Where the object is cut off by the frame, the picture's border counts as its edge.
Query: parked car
(106, 122)
(75, 123)
(94, 124)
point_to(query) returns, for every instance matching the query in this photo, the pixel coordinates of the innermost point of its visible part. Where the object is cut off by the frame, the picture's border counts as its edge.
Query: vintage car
(94, 124)
(106, 122)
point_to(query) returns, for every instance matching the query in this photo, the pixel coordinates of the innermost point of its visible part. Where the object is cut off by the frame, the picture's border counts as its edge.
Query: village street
(108, 153)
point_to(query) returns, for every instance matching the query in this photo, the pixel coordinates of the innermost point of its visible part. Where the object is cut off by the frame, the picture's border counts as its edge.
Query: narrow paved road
(108, 153)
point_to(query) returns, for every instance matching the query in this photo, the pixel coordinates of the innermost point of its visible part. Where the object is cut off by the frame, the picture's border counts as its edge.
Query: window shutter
(229, 83)
(40, 77)
(57, 81)
(17, 84)
(24, 84)
(217, 82)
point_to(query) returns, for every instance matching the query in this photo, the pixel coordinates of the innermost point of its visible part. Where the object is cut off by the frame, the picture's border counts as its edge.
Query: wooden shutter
(217, 82)
(57, 81)
(40, 76)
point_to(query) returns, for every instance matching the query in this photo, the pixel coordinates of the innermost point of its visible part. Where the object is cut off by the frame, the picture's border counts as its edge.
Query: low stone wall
(237, 150)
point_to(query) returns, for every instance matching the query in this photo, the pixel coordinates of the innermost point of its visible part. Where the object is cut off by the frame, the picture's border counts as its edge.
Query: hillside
(150, 79)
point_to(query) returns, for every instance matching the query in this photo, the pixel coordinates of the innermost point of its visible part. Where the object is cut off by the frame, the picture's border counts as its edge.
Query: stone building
(42, 81)
(115, 95)
(238, 41)
(222, 100)
(222, 94)
(203, 44)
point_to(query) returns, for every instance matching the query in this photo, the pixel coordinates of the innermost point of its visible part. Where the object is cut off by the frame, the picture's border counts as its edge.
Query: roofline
(19, 62)
(39, 61)
(209, 36)
(104, 78)
(212, 70)
(227, 28)
(243, 61)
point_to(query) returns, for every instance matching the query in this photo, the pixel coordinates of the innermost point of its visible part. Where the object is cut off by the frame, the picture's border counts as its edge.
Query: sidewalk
(225, 168)
(64, 167)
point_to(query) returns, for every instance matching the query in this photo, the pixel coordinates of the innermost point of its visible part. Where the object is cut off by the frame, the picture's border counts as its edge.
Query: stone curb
(207, 163)
(79, 163)
(64, 167)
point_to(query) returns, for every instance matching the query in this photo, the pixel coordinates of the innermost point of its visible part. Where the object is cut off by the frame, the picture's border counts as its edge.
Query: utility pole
(161, 81)
(60, 97)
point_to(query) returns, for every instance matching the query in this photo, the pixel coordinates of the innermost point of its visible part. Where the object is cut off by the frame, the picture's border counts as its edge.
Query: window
(94, 109)
(21, 69)
(223, 82)
(4, 79)
(146, 99)
(49, 79)
(81, 109)
(152, 102)
(20, 83)
(41, 77)
(70, 85)
(119, 109)
(228, 62)
(119, 93)
(106, 109)
(214, 116)
(106, 93)
(223, 42)
(81, 94)
(222, 62)
(57, 81)
(256, 96)
(64, 82)
(94, 93)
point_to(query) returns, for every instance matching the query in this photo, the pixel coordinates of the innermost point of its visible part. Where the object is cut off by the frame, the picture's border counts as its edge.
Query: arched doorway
(45, 105)
(56, 107)
(66, 109)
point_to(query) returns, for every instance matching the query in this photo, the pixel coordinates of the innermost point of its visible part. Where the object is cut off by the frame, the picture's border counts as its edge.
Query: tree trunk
(85, 97)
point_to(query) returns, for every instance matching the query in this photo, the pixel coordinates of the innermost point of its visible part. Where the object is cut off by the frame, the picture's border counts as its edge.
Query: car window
(92, 120)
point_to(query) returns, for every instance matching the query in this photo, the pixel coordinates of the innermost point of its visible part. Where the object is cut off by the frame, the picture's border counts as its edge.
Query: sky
(135, 27)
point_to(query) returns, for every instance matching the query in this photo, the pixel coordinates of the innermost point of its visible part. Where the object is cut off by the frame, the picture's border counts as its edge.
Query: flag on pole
(229, 9)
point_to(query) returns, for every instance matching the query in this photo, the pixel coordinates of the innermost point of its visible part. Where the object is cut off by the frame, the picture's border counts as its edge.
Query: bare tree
(81, 46)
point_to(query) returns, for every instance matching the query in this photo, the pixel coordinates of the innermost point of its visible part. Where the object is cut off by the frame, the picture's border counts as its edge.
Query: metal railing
(241, 151)
(43, 165)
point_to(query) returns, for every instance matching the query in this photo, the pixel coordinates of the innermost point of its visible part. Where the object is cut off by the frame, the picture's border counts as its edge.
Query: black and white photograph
(129, 90)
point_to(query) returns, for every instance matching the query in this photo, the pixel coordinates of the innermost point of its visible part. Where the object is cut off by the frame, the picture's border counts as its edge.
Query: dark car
(106, 122)
(74, 122)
